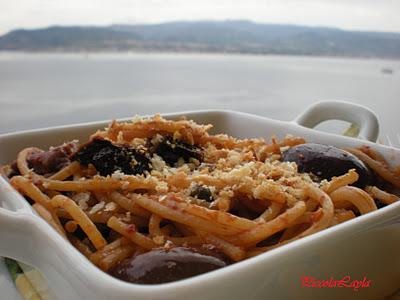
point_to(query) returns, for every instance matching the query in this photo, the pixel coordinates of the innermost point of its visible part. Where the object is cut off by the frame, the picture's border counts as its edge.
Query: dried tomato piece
(107, 158)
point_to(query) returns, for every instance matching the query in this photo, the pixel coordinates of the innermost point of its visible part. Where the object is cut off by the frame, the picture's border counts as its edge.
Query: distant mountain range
(207, 36)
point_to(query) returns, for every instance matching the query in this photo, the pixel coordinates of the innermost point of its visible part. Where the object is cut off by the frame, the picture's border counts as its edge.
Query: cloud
(349, 14)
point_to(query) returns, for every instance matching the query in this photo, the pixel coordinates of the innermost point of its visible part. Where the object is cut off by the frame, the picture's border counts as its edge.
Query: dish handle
(361, 116)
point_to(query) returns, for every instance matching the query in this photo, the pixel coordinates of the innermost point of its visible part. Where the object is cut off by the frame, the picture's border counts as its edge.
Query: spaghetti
(152, 185)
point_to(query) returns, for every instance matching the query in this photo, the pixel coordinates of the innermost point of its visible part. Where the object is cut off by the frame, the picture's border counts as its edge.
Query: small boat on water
(387, 70)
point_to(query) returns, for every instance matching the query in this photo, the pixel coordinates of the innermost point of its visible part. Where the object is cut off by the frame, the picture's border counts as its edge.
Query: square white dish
(366, 246)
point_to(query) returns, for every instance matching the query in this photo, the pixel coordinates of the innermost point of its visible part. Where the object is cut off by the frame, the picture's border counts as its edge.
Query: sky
(376, 15)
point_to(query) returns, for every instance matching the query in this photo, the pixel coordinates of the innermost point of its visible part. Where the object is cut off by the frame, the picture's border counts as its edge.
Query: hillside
(207, 36)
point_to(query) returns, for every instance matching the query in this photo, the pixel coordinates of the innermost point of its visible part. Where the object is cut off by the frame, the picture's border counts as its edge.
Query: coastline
(127, 53)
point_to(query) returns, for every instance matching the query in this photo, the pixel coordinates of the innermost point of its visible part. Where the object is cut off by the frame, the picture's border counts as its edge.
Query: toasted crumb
(118, 175)
(110, 206)
(82, 199)
(159, 239)
(96, 208)
(158, 163)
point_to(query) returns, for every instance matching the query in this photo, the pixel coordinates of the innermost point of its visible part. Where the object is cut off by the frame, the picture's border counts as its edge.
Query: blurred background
(75, 61)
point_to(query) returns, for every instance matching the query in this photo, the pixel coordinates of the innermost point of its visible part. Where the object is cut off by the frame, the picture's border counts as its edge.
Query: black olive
(202, 192)
(171, 150)
(108, 158)
(162, 265)
(327, 161)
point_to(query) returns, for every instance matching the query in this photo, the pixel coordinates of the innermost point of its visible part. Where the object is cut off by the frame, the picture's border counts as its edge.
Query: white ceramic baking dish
(366, 246)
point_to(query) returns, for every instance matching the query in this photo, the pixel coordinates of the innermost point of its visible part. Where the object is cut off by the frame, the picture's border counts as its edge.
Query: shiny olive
(327, 161)
(162, 265)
